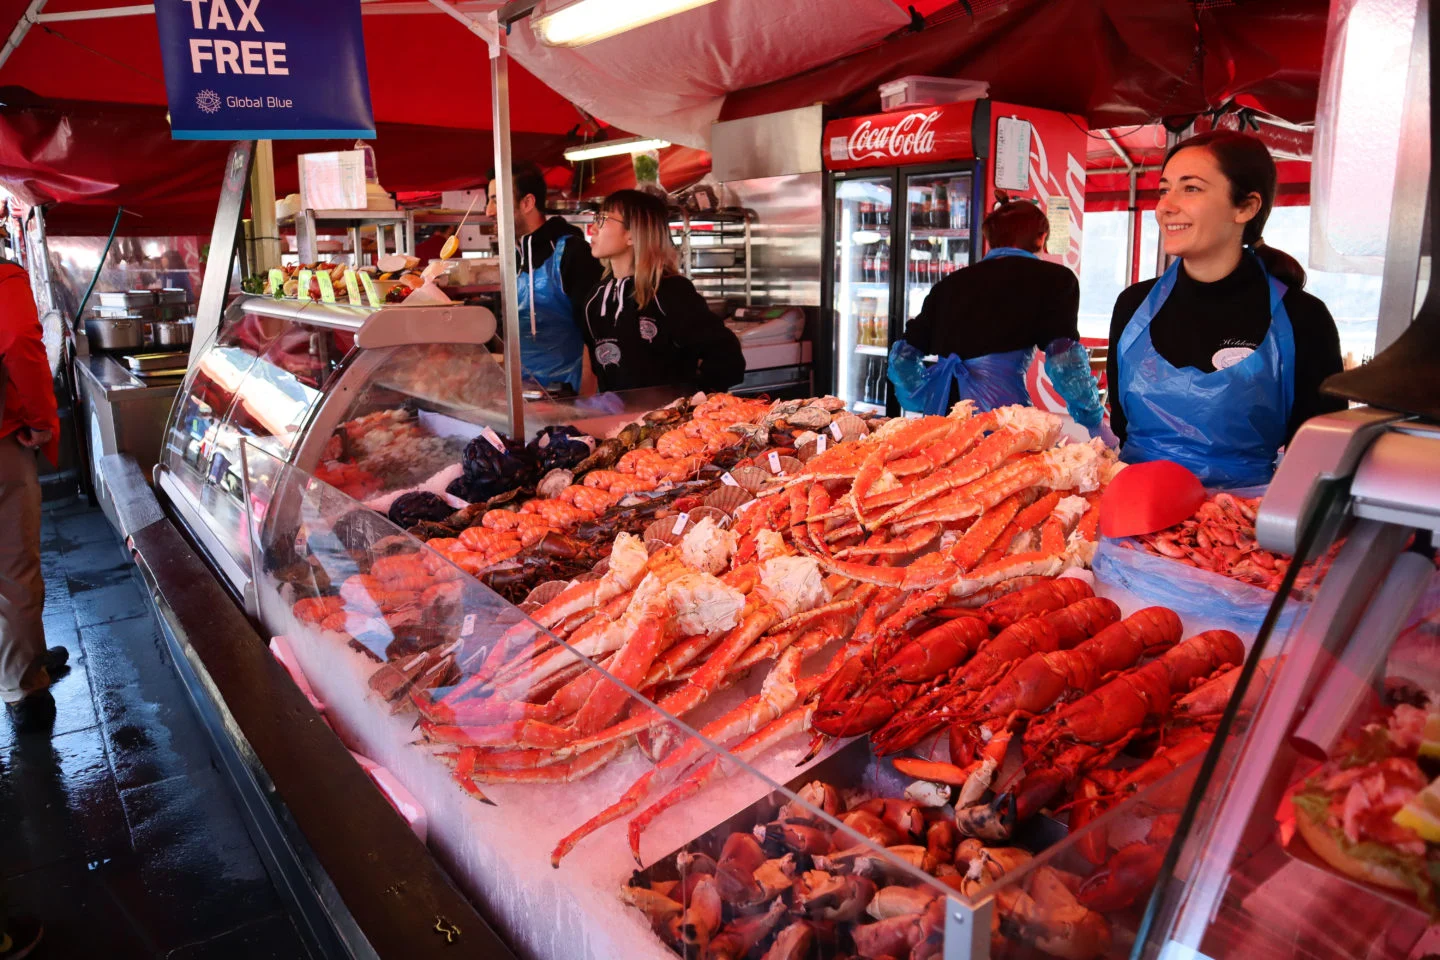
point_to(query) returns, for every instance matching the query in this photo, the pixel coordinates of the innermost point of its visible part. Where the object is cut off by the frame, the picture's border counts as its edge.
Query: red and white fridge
(905, 193)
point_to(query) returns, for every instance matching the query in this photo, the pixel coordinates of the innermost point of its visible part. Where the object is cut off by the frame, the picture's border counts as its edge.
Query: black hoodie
(673, 340)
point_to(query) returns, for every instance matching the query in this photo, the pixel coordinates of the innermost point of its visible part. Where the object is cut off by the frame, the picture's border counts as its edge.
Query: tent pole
(22, 27)
(505, 229)
(1132, 262)
(480, 29)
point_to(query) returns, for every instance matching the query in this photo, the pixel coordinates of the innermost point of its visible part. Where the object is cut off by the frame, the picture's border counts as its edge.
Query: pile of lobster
(794, 887)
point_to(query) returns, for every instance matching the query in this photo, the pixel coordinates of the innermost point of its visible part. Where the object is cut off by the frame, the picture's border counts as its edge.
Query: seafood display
(795, 886)
(1220, 538)
(383, 450)
(788, 574)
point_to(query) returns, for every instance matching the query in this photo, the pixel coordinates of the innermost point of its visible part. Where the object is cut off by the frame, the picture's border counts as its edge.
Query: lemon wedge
(1422, 821)
(452, 244)
(1430, 737)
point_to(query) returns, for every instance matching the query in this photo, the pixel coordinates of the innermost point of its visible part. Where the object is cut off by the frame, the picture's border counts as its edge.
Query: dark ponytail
(1249, 167)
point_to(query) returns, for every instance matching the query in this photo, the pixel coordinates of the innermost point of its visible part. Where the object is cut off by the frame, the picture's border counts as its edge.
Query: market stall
(835, 684)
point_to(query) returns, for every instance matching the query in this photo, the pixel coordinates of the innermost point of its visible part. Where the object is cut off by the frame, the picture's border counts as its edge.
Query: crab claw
(988, 821)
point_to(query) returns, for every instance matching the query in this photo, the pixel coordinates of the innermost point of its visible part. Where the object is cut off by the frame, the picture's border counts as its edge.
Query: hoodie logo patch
(607, 353)
(648, 330)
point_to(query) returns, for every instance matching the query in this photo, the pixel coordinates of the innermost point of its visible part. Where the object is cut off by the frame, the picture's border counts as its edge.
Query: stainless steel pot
(172, 333)
(115, 333)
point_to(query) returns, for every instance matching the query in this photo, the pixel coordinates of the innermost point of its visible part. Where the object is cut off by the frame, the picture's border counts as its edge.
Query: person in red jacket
(28, 422)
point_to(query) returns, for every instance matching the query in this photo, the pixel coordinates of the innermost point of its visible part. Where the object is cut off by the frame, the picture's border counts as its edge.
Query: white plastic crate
(914, 91)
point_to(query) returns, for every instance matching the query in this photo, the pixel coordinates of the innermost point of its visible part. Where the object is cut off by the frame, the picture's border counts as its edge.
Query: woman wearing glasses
(645, 324)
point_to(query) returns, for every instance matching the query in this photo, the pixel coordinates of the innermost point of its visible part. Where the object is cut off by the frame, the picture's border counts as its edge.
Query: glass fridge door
(937, 233)
(862, 218)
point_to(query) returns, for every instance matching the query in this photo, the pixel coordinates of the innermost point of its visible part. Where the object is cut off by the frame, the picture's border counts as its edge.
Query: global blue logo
(208, 100)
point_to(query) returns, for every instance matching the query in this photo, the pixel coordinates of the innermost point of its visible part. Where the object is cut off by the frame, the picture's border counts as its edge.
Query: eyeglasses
(601, 218)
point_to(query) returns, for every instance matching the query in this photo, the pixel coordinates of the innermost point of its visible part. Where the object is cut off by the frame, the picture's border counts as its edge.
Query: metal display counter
(122, 413)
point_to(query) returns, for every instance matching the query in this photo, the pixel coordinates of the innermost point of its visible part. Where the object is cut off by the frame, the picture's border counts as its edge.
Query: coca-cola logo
(912, 135)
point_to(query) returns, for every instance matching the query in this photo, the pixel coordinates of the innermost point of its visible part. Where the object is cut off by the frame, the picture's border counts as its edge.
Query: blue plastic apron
(551, 346)
(1224, 426)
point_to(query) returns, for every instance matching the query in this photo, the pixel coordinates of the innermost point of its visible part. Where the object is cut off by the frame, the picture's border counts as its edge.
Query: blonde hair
(648, 220)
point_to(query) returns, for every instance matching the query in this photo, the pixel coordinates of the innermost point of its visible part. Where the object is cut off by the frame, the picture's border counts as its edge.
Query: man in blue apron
(556, 272)
(986, 322)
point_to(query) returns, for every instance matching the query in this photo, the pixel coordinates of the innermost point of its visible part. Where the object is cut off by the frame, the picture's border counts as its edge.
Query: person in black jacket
(998, 312)
(1010, 300)
(1217, 363)
(645, 324)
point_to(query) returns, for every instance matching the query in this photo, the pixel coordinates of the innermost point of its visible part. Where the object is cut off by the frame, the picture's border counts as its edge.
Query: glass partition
(1307, 833)
(558, 744)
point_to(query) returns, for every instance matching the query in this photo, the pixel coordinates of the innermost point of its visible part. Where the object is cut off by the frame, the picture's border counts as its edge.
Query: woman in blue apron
(986, 322)
(1217, 363)
(555, 273)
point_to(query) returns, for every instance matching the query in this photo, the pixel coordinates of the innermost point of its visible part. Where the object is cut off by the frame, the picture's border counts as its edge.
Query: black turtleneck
(1199, 319)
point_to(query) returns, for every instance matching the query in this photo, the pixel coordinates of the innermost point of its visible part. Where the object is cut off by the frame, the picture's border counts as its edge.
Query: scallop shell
(851, 427)
(546, 592)
(729, 499)
(751, 478)
(789, 466)
(805, 451)
(810, 418)
(663, 532)
(553, 483)
(717, 514)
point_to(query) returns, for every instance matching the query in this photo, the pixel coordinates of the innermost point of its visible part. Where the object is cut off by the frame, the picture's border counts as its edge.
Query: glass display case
(740, 828)
(286, 375)
(372, 400)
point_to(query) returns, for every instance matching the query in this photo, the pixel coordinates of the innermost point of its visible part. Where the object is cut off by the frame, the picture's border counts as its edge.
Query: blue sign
(265, 69)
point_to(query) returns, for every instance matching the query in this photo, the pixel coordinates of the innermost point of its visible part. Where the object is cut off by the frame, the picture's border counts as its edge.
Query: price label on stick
(835, 431)
(680, 522)
(727, 480)
(370, 292)
(302, 291)
(467, 627)
(493, 438)
(774, 462)
(277, 282)
(327, 287)
(820, 444)
(352, 289)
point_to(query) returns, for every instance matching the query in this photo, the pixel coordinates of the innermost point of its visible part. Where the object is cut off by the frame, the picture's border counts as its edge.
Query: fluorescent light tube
(613, 148)
(585, 21)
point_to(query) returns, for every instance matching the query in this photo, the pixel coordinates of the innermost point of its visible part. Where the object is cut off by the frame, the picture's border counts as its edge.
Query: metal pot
(172, 333)
(115, 333)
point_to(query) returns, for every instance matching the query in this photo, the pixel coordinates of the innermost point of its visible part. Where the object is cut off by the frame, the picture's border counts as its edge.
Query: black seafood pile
(490, 470)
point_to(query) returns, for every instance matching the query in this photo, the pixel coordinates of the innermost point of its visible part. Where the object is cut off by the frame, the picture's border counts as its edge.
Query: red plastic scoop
(1146, 497)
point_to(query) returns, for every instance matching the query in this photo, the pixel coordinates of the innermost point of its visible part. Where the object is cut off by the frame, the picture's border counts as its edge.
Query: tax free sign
(265, 69)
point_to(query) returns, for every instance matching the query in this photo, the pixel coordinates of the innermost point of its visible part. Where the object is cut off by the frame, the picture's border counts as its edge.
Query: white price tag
(774, 462)
(680, 522)
(820, 444)
(467, 626)
(835, 431)
(493, 438)
(727, 480)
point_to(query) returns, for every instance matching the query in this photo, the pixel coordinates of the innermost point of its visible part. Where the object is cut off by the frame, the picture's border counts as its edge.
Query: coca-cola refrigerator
(905, 193)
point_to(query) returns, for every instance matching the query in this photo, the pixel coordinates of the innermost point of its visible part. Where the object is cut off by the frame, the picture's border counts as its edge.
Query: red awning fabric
(90, 158)
(425, 69)
(1114, 62)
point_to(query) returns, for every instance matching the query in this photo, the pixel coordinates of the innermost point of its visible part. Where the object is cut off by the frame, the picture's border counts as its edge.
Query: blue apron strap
(1284, 339)
(998, 252)
(1140, 320)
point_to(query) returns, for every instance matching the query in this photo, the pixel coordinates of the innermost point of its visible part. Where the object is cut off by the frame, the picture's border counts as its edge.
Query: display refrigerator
(905, 194)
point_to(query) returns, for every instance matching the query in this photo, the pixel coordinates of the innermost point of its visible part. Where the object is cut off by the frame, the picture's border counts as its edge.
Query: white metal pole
(22, 27)
(505, 228)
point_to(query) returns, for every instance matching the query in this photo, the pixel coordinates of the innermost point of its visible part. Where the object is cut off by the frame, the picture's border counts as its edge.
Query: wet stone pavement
(117, 829)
